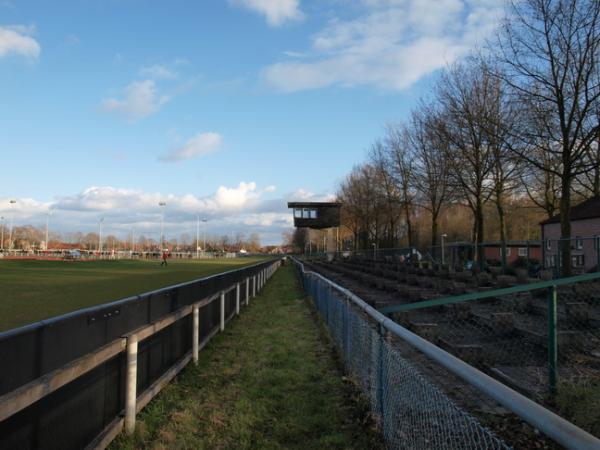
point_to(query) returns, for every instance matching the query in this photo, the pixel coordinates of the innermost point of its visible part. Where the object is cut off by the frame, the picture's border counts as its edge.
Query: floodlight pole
(197, 235)
(162, 219)
(204, 248)
(100, 237)
(10, 241)
(47, 221)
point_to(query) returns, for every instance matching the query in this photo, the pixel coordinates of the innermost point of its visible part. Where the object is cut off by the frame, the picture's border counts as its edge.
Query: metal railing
(77, 380)
(518, 327)
(414, 411)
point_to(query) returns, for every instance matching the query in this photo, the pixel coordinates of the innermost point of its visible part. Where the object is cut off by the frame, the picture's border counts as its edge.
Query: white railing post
(247, 290)
(237, 299)
(195, 333)
(131, 383)
(254, 286)
(222, 310)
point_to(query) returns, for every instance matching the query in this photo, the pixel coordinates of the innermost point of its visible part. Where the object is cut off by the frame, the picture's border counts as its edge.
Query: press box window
(309, 213)
(297, 213)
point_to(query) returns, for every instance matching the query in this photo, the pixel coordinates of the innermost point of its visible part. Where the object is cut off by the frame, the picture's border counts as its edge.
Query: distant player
(165, 255)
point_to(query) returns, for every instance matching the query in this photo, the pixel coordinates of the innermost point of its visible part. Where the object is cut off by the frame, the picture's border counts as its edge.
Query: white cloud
(17, 40)
(276, 12)
(391, 44)
(236, 198)
(198, 145)
(159, 72)
(140, 99)
(230, 210)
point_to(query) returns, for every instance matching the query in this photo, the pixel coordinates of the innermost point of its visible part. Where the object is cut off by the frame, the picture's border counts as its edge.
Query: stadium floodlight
(197, 236)
(10, 239)
(162, 219)
(100, 236)
(48, 214)
(204, 248)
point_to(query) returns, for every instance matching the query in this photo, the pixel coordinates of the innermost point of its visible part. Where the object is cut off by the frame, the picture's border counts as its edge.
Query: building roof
(588, 209)
(314, 204)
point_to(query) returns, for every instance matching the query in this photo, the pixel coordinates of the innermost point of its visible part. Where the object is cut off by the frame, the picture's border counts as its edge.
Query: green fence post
(552, 341)
(380, 371)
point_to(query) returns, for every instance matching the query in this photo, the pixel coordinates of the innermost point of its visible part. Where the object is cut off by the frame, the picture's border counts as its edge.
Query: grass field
(34, 290)
(269, 382)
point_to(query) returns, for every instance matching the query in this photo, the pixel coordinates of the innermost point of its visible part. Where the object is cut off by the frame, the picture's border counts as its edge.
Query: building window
(523, 252)
(313, 213)
(548, 244)
(578, 243)
(507, 251)
(578, 261)
(297, 213)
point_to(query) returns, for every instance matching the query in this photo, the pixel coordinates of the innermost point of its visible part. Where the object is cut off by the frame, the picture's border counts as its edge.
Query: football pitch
(35, 290)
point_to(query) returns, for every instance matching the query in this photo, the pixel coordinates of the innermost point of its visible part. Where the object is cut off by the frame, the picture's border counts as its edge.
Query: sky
(222, 109)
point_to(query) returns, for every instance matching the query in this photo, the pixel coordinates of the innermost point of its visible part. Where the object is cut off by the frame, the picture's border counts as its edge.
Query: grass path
(270, 381)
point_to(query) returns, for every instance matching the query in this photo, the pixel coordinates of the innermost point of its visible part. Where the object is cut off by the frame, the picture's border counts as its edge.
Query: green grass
(36, 290)
(580, 404)
(270, 381)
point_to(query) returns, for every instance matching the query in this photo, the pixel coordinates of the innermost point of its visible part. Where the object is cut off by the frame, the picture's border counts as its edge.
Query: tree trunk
(479, 237)
(565, 223)
(434, 232)
(408, 225)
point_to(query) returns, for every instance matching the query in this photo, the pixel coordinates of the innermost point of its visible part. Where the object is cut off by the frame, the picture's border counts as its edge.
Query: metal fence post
(131, 383)
(552, 340)
(195, 333)
(254, 286)
(597, 239)
(247, 290)
(237, 299)
(380, 371)
(222, 310)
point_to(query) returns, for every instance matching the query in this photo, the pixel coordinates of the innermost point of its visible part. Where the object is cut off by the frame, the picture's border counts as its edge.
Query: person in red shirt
(165, 255)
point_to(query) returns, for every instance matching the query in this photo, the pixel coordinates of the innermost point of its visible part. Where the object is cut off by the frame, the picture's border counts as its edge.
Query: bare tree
(543, 185)
(389, 191)
(431, 175)
(549, 53)
(464, 95)
(400, 159)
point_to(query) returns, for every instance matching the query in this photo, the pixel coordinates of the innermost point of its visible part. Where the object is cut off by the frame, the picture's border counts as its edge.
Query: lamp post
(443, 258)
(47, 222)
(162, 219)
(100, 236)
(197, 236)
(204, 248)
(10, 240)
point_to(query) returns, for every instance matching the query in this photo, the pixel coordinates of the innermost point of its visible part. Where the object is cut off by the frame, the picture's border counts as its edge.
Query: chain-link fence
(533, 337)
(413, 412)
(541, 338)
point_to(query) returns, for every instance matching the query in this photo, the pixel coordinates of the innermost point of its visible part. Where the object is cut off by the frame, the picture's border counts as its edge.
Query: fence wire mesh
(413, 412)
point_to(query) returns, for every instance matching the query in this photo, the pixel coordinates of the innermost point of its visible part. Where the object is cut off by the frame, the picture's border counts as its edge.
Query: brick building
(585, 235)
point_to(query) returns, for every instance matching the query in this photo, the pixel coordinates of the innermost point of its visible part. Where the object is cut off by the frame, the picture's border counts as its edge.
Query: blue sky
(223, 108)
